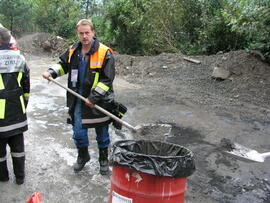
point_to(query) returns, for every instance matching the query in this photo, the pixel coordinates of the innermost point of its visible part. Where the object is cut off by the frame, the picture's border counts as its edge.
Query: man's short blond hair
(85, 22)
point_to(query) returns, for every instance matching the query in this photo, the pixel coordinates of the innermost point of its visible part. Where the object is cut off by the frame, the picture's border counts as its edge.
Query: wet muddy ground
(178, 117)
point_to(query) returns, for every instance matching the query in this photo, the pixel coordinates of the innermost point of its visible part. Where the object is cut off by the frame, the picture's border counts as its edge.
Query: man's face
(85, 34)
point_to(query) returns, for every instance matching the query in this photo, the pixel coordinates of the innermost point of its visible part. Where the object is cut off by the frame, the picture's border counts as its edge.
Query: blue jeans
(80, 134)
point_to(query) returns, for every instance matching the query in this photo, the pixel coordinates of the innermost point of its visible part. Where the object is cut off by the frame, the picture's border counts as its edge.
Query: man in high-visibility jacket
(14, 94)
(90, 66)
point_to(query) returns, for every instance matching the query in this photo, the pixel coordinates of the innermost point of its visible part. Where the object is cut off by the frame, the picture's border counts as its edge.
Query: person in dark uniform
(14, 94)
(90, 66)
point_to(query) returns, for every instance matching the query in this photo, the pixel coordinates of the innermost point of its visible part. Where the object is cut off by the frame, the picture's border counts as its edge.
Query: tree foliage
(123, 19)
(150, 26)
(251, 18)
(59, 17)
(16, 15)
(170, 24)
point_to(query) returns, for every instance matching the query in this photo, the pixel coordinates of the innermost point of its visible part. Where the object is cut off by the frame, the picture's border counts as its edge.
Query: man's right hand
(46, 75)
(89, 103)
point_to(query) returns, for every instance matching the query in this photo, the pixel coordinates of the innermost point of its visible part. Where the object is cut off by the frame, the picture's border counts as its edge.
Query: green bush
(251, 18)
(143, 27)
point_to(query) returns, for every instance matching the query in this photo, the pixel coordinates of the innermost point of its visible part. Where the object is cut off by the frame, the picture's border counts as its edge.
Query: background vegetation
(147, 27)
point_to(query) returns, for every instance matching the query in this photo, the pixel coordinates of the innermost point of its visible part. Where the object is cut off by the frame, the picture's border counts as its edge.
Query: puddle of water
(253, 122)
(42, 103)
(67, 154)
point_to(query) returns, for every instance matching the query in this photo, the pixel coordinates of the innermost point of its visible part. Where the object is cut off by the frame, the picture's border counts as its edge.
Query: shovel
(246, 154)
(95, 106)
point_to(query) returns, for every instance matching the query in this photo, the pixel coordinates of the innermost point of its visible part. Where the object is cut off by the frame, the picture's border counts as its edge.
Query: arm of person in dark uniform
(26, 84)
(59, 69)
(105, 84)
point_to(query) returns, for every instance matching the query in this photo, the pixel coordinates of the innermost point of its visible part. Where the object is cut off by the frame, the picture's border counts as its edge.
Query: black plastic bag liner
(153, 157)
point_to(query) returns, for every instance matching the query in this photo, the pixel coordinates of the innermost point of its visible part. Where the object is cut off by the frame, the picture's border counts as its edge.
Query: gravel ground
(173, 100)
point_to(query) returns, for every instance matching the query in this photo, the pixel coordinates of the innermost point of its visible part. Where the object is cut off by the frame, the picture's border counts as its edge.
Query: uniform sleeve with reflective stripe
(106, 77)
(56, 70)
(102, 88)
(61, 68)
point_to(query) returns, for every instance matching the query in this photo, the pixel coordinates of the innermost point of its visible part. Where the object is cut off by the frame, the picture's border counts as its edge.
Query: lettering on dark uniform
(9, 60)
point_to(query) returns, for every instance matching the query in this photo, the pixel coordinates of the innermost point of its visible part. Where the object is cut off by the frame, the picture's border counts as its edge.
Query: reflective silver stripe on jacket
(96, 63)
(100, 91)
(58, 69)
(3, 159)
(17, 154)
(13, 127)
(95, 120)
(11, 61)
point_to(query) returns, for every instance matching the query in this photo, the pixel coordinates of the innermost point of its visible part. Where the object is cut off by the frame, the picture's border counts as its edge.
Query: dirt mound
(248, 81)
(29, 43)
(42, 44)
(240, 63)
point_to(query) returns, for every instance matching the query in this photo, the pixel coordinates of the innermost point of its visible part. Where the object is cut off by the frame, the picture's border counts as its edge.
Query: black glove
(118, 110)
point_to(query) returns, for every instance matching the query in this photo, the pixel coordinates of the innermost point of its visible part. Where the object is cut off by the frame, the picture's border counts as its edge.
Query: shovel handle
(265, 155)
(95, 106)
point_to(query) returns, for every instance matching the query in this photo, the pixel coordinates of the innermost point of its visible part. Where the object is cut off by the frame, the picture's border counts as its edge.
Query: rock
(227, 144)
(257, 54)
(219, 53)
(220, 73)
(47, 46)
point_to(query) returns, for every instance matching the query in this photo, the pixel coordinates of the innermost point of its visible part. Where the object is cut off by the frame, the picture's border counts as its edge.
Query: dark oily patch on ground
(153, 131)
(167, 132)
(185, 136)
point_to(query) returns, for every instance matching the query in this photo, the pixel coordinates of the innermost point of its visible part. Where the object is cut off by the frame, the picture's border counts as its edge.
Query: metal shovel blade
(245, 154)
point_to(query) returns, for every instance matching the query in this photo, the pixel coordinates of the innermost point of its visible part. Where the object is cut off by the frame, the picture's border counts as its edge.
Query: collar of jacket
(94, 47)
(5, 47)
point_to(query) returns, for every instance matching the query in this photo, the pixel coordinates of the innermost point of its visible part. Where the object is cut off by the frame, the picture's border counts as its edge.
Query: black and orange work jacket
(97, 83)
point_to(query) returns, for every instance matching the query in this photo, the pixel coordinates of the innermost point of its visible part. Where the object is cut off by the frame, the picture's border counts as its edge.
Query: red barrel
(132, 186)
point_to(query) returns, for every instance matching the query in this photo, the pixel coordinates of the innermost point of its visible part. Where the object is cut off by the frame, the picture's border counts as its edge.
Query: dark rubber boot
(18, 168)
(103, 161)
(82, 159)
(3, 171)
